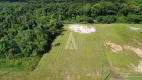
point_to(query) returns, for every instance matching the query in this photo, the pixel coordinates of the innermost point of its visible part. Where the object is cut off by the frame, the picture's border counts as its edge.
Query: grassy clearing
(91, 55)
(86, 62)
(17, 69)
(119, 34)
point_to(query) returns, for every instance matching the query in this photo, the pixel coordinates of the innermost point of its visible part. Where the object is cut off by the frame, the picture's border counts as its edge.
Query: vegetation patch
(18, 64)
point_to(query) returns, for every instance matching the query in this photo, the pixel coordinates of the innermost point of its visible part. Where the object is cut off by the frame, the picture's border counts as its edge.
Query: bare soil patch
(136, 68)
(93, 74)
(138, 51)
(67, 76)
(139, 67)
(114, 47)
(82, 28)
(117, 48)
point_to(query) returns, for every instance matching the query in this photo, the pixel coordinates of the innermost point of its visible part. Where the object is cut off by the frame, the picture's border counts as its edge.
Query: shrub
(106, 19)
(133, 18)
(84, 18)
(121, 19)
(24, 64)
(29, 63)
(90, 20)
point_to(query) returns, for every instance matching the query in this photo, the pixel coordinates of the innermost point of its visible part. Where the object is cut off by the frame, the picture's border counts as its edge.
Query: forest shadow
(50, 45)
(57, 44)
(63, 31)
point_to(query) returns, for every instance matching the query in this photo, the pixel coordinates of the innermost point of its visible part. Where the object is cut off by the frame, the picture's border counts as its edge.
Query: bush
(30, 63)
(24, 64)
(133, 18)
(90, 20)
(84, 18)
(121, 19)
(106, 19)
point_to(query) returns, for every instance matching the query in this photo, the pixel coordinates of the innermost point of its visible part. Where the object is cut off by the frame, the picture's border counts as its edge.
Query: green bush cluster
(106, 19)
(25, 31)
(133, 18)
(25, 64)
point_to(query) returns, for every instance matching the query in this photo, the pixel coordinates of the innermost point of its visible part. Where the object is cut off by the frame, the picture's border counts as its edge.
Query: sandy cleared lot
(82, 28)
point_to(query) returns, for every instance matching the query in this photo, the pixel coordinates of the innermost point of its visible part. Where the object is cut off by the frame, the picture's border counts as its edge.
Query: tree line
(62, 0)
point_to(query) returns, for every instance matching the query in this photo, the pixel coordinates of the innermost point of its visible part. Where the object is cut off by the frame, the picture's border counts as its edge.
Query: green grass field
(92, 60)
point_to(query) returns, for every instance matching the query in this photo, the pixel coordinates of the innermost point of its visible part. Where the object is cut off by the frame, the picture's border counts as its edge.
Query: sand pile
(82, 28)
(134, 28)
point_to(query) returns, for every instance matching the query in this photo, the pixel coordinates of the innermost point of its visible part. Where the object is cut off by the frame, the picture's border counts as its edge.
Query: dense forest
(25, 32)
(28, 28)
(62, 0)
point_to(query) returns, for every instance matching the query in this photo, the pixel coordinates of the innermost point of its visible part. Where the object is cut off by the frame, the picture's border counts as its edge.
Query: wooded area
(28, 28)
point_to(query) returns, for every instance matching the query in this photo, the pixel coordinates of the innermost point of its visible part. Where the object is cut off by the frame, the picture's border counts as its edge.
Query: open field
(97, 55)
(70, 39)
(113, 52)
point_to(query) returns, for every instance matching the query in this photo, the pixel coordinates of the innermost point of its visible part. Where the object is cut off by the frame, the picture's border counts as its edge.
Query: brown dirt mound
(114, 47)
(117, 48)
(138, 51)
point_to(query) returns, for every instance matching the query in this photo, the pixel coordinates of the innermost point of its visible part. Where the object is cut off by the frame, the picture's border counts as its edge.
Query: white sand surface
(82, 28)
